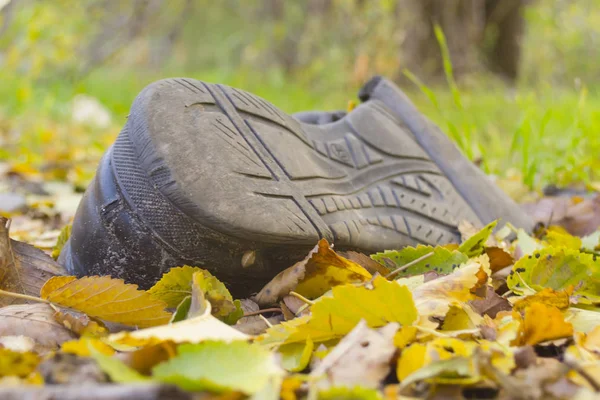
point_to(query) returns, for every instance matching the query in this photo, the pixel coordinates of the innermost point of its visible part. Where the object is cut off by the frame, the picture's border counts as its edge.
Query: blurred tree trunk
(506, 18)
(465, 24)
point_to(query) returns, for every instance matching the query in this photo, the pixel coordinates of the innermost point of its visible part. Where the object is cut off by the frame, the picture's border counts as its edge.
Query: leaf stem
(300, 297)
(258, 312)
(410, 264)
(266, 321)
(22, 296)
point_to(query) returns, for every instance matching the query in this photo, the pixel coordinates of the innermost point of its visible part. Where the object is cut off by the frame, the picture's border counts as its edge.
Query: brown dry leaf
(550, 297)
(365, 261)
(491, 305)
(541, 323)
(322, 269)
(361, 358)
(23, 268)
(108, 299)
(35, 321)
(80, 324)
(499, 258)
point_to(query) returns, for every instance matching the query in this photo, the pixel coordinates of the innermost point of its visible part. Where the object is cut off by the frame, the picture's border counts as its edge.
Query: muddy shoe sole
(213, 176)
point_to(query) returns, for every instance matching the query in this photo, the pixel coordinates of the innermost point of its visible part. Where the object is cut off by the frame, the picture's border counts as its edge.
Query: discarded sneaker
(208, 175)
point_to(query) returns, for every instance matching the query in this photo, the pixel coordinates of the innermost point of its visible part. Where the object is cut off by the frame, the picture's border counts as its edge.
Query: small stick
(410, 264)
(266, 310)
(22, 296)
(304, 299)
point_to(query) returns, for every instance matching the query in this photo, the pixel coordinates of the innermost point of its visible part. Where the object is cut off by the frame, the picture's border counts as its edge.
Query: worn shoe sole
(214, 176)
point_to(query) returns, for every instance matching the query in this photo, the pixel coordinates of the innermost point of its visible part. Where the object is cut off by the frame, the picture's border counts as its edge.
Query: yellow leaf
(321, 270)
(557, 236)
(108, 299)
(458, 319)
(405, 336)
(81, 347)
(333, 317)
(289, 386)
(434, 361)
(54, 283)
(547, 296)
(193, 330)
(14, 363)
(542, 323)
(411, 360)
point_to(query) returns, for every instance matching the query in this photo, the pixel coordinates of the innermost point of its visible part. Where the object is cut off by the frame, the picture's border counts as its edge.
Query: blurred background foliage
(514, 82)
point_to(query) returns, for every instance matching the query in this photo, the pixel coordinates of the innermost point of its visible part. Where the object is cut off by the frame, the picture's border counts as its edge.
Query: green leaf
(115, 368)
(65, 233)
(182, 310)
(176, 285)
(219, 366)
(346, 393)
(335, 316)
(443, 261)
(296, 356)
(475, 245)
(558, 269)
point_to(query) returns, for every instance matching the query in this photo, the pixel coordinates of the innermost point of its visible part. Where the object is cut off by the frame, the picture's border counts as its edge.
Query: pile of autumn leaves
(488, 317)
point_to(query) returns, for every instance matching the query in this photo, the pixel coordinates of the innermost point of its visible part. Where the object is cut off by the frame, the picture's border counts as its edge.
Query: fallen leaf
(558, 269)
(321, 270)
(65, 233)
(347, 393)
(364, 261)
(19, 343)
(542, 323)
(581, 319)
(15, 363)
(475, 245)
(499, 258)
(559, 237)
(117, 370)
(23, 268)
(108, 299)
(434, 298)
(361, 358)
(405, 336)
(80, 324)
(35, 321)
(335, 316)
(219, 366)
(194, 330)
(81, 347)
(591, 242)
(182, 310)
(443, 261)
(176, 284)
(555, 298)
(296, 356)
(491, 305)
